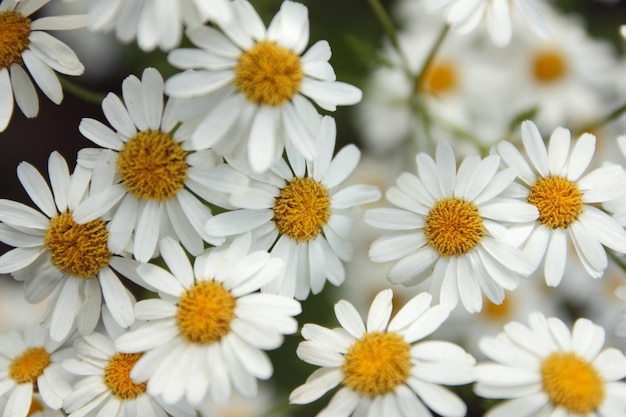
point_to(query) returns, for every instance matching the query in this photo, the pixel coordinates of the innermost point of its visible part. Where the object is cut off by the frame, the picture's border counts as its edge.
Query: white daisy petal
(349, 318)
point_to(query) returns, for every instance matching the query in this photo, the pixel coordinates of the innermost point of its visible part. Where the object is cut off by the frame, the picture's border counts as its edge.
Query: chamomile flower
(464, 16)
(153, 23)
(380, 364)
(553, 180)
(105, 386)
(208, 331)
(546, 369)
(62, 253)
(449, 227)
(28, 364)
(163, 178)
(24, 43)
(254, 82)
(298, 210)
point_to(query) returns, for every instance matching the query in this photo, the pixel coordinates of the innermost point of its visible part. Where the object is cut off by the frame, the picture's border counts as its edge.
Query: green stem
(429, 59)
(387, 24)
(81, 92)
(606, 119)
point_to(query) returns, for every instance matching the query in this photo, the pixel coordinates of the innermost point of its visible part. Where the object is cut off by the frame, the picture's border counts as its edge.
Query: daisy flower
(464, 16)
(62, 253)
(380, 366)
(163, 178)
(155, 23)
(24, 42)
(449, 227)
(254, 81)
(208, 331)
(298, 210)
(105, 386)
(546, 369)
(28, 364)
(554, 183)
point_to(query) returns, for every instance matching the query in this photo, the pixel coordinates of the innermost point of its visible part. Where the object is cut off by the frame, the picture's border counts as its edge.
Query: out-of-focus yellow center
(439, 78)
(268, 74)
(549, 66)
(572, 382)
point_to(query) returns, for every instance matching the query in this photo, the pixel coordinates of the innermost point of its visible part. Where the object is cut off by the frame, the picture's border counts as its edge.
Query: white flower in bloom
(23, 42)
(156, 165)
(28, 364)
(62, 253)
(208, 331)
(254, 82)
(105, 386)
(546, 369)
(298, 210)
(449, 228)
(465, 15)
(380, 366)
(155, 23)
(554, 183)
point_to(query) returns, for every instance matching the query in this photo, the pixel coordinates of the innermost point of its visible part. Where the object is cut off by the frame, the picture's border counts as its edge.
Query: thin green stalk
(81, 92)
(429, 59)
(387, 24)
(606, 119)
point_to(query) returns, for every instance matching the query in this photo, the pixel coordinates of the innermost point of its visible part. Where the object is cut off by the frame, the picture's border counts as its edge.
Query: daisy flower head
(298, 210)
(546, 369)
(163, 178)
(62, 252)
(104, 385)
(153, 23)
(450, 227)
(464, 16)
(258, 83)
(31, 363)
(381, 365)
(24, 43)
(553, 179)
(210, 328)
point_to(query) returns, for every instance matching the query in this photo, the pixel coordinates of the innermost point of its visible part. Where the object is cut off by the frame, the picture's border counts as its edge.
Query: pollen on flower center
(377, 363)
(205, 312)
(558, 200)
(572, 383)
(14, 32)
(77, 249)
(28, 366)
(117, 376)
(548, 66)
(301, 209)
(268, 74)
(453, 226)
(439, 78)
(152, 166)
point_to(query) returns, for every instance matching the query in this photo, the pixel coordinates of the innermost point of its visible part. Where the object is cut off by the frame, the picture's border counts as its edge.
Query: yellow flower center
(499, 312)
(152, 166)
(572, 383)
(548, 66)
(377, 363)
(35, 407)
(14, 32)
(77, 249)
(268, 74)
(301, 209)
(453, 226)
(28, 366)
(558, 200)
(439, 78)
(117, 376)
(205, 312)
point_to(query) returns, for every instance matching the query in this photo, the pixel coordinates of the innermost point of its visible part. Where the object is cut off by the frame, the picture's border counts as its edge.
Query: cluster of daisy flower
(165, 269)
